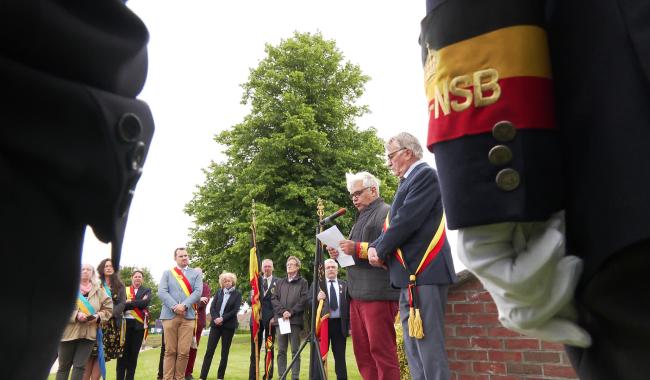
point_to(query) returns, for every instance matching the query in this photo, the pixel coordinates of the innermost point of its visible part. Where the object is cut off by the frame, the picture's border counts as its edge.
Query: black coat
(344, 303)
(87, 136)
(593, 162)
(229, 312)
(415, 216)
(140, 303)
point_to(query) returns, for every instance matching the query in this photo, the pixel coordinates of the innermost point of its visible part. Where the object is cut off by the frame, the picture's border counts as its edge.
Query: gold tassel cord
(416, 330)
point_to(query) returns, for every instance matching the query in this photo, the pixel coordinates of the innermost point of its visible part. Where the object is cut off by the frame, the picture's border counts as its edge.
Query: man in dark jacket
(336, 296)
(416, 251)
(373, 304)
(267, 328)
(289, 302)
(73, 140)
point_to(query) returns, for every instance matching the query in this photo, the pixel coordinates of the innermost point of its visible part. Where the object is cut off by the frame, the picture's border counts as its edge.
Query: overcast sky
(201, 51)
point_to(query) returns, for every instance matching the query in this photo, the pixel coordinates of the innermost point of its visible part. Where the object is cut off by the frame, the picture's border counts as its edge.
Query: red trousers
(192, 358)
(373, 338)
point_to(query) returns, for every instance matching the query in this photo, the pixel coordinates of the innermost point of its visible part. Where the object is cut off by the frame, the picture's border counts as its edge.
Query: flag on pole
(322, 314)
(254, 275)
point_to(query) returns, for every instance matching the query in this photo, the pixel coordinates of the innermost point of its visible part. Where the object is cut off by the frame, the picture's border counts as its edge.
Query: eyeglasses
(392, 155)
(357, 194)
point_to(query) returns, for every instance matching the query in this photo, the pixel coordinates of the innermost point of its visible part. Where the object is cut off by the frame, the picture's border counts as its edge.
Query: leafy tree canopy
(295, 146)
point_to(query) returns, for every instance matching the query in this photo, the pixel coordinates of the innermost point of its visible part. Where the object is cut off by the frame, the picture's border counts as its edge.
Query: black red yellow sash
(184, 283)
(433, 249)
(140, 315)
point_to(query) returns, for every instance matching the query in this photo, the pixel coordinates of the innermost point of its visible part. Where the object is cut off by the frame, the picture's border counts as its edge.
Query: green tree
(295, 146)
(126, 272)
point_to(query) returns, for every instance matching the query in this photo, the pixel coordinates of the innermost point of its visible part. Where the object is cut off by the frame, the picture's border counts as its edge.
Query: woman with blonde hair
(93, 307)
(224, 308)
(113, 341)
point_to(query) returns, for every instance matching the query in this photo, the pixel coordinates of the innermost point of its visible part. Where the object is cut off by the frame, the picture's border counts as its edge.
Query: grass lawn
(238, 361)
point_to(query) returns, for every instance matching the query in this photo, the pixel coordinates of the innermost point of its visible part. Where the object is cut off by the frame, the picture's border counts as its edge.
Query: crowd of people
(386, 244)
(109, 322)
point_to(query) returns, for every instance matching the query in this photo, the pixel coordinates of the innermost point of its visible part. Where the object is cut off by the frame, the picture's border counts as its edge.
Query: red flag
(253, 276)
(322, 315)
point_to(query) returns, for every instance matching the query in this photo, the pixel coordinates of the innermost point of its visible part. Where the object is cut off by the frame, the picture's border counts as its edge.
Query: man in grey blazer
(179, 288)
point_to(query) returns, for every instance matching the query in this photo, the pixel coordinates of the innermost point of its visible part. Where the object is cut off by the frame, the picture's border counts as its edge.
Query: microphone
(331, 218)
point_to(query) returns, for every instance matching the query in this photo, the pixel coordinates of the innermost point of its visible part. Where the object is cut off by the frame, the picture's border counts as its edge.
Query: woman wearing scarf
(223, 311)
(93, 306)
(113, 342)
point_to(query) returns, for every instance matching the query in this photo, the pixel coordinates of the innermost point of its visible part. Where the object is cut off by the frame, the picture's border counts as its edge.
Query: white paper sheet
(332, 236)
(285, 326)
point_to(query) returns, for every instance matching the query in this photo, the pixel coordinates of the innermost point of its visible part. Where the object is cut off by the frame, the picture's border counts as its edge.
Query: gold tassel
(418, 330)
(410, 322)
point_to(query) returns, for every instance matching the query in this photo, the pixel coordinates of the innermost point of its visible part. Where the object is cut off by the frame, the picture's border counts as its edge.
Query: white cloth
(532, 281)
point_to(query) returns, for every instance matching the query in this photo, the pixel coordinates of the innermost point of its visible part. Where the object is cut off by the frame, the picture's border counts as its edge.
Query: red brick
(490, 368)
(459, 366)
(456, 319)
(491, 308)
(479, 355)
(474, 377)
(505, 356)
(483, 319)
(449, 309)
(451, 354)
(522, 343)
(471, 331)
(497, 377)
(559, 371)
(468, 308)
(523, 369)
(457, 296)
(550, 346)
(457, 343)
(487, 343)
(565, 358)
(474, 295)
(485, 297)
(501, 331)
(542, 357)
(471, 285)
(450, 331)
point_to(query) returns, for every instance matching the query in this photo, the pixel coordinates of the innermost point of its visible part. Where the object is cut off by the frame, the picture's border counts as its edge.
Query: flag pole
(254, 271)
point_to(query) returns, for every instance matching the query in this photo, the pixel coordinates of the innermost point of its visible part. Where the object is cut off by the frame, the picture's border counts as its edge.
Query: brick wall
(479, 348)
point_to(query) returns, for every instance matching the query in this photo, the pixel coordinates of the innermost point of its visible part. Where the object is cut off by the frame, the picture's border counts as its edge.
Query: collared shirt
(226, 297)
(267, 280)
(334, 313)
(291, 279)
(410, 169)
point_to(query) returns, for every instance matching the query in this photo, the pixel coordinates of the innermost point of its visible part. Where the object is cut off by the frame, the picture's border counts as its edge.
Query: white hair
(331, 261)
(366, 178)
(406, 140)
(93, 275)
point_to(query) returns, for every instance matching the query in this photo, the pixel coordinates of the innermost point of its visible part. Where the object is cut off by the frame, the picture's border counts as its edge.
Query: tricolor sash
(140, 315)
(184, 283)
(84, 305)
(433, 249)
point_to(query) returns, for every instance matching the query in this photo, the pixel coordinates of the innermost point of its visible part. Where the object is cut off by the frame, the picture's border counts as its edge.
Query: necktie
(334, 303)
(266, 284)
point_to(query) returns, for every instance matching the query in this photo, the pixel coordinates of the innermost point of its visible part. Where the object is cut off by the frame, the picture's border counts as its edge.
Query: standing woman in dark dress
(223, 310)
(113, 342)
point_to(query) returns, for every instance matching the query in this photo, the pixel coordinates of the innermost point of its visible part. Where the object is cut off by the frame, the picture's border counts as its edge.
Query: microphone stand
(315, 361)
